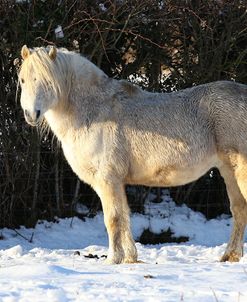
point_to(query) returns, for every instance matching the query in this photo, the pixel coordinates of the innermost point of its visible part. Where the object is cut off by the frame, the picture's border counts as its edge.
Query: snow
(53, 266)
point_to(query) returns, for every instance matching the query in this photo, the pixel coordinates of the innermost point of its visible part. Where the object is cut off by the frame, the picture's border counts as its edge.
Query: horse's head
(38, 80)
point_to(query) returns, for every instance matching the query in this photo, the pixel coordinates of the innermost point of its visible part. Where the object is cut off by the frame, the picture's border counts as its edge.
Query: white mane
(57, 74)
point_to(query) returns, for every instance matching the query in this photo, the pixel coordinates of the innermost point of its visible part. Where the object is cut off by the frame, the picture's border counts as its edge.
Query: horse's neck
(83, 101)
(59, 122)
(80, 112)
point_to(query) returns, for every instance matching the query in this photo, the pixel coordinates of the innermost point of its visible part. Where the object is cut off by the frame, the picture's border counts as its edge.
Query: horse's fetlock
(116, 257)
(231, 256)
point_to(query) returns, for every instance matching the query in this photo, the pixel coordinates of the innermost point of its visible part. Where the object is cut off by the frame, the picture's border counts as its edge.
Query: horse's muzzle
(32, 118)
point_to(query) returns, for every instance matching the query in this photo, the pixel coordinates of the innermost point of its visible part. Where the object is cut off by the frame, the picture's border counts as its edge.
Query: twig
(71, 222)
(29, 240)
(46, 41)
(137, 36)
(49, 28)
(88, 19)
(216, 299)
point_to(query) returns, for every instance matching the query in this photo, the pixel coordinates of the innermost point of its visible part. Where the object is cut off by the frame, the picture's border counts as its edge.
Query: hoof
(113, 261)
(120, 260)
(231, 257)
(129, 256)
(134, 260)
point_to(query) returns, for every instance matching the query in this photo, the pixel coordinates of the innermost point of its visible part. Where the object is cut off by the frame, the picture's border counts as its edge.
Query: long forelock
(51, 74)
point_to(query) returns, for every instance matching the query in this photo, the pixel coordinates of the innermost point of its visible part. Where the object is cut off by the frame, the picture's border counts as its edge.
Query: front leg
(116, 216)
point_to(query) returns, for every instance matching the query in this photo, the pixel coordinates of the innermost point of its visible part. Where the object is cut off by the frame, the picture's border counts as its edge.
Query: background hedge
(162, 45)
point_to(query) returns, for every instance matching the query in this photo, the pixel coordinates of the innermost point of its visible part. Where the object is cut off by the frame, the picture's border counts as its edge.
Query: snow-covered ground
(53, 267)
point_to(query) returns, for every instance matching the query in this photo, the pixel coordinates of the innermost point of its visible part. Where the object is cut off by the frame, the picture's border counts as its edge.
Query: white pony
(113, 133)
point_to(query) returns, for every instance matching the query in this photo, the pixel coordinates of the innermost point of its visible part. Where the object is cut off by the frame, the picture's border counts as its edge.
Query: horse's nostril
(32, 117)
(37, 114)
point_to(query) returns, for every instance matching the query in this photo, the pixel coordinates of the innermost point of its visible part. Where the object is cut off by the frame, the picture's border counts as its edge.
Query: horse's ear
(25, 52)
(53, 53)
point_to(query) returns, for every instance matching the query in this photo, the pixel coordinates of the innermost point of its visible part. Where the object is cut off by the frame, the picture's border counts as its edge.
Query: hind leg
(234, 172)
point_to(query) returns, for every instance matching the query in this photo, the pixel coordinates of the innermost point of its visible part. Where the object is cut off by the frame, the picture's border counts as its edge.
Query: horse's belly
(171, 175)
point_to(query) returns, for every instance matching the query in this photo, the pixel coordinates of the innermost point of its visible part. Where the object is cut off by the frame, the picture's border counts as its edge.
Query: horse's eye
(34, 79)
(22, 81)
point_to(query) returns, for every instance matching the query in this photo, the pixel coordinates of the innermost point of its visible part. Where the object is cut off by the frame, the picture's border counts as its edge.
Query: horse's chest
(81, 160)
